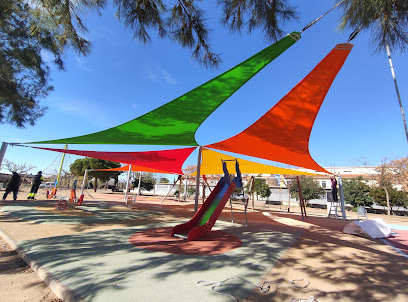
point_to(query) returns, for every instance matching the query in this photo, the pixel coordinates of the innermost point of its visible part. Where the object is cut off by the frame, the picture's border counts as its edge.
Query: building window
(324, 184)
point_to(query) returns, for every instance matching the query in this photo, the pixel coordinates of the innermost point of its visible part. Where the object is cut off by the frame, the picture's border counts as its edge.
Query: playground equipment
(62, 203)
(73, 192)
(179, 179)
(337, 208)
(53, 193)
(203, 221)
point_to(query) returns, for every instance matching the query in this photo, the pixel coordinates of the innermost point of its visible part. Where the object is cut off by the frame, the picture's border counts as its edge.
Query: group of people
(13, 185)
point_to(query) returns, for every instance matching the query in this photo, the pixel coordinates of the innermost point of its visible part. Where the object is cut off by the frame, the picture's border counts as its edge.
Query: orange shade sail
(283, 133)
(134, 169)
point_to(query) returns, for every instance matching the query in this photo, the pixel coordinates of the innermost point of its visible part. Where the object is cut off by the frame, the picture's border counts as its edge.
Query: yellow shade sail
(212, 164)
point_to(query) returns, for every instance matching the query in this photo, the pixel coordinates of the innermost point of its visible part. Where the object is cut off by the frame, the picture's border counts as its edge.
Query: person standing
(13, 186)
(334, 188)
(36, 184)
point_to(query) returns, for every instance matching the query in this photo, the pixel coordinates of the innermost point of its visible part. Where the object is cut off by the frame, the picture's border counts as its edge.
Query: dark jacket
(333, 184)
(14, 182)
(37, 179)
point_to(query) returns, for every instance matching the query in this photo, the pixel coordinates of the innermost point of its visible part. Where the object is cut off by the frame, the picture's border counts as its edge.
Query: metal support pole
(185, 188)
(140, 181)
(138, 186)
(342, 202)
(3, 152)
(288, 197)
(301, 202)
(127, 184)
(203, 190)
(84, 181)
(198, 179)
(60, 168)
(179, 193)
(232, 215)
(168, 192)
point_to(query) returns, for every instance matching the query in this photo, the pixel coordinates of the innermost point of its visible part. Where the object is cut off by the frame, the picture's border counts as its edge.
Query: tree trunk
(388, 203)
(398, 95)
(96, 184)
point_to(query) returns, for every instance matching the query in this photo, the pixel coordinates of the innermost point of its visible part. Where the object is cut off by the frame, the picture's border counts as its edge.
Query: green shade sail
(176, 122)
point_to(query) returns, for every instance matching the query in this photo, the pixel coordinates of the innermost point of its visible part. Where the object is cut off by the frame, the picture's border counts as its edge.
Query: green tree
(261, 188)
(190, 191)
(357, 192)
(28, 28)
(399, 171)
(396, 197)
(24, 76)
(237, 193)
(310, 188)
(147, 183)
(182, 21)
(389, 175)
(79, 166)
(164, 180)
(386, 20)
(384, 178)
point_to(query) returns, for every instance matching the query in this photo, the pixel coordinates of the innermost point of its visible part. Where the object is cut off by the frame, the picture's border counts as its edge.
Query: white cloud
(160, 74)
(167, 77)
(83, 109)
(82, 64)
(151, 75)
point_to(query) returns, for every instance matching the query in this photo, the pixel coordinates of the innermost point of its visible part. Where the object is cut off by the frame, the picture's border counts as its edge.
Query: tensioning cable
(317, 19)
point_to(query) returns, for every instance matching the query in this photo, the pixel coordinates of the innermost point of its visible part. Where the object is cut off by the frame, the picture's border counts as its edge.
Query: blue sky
(122, 79)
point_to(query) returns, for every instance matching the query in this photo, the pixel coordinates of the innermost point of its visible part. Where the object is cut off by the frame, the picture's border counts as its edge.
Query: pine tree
(23, 74)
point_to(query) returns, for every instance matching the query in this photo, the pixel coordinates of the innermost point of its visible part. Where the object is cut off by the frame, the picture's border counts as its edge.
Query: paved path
(105, 266)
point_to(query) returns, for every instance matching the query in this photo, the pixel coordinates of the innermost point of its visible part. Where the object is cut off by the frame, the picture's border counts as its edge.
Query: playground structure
(203, 221)
(263, 139)
(201, 226)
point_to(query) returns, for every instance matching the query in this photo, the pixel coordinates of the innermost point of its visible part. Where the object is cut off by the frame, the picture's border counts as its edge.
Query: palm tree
(388, 22)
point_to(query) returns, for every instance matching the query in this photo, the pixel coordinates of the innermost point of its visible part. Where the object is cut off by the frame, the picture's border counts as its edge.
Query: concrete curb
(58, 287)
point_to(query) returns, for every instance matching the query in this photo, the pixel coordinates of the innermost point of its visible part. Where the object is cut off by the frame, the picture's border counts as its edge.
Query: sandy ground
(339, 267)
(18, 282)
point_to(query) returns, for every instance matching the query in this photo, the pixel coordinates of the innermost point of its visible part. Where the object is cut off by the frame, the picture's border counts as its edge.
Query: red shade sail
(282, 134)
(134, 169)
(164, 161)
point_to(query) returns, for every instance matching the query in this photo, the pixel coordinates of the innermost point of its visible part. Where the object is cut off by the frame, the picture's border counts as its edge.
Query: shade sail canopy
(211, 164)
(176, 122)
(134, 169)
(170, 161)
(282, 134)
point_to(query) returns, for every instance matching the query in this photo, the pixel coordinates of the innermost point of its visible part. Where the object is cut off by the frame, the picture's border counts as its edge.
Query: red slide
(203, 221)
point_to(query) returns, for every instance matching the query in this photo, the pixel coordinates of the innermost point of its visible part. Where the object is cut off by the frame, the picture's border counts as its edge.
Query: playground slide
(203, 221)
